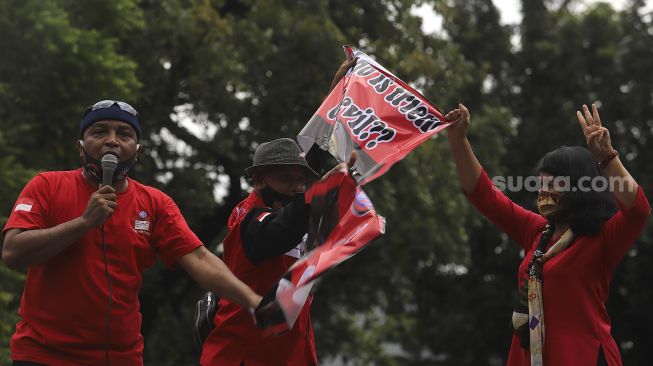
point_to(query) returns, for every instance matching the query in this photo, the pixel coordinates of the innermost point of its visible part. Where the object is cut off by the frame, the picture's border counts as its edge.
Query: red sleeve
(622, 229)
(520, 224)
(172, 238)
(31, 208)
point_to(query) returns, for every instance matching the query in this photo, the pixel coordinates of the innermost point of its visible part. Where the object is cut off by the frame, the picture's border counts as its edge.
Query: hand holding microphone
(103, 203)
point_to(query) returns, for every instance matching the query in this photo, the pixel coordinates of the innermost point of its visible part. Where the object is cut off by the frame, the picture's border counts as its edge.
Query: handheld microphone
(109, 163)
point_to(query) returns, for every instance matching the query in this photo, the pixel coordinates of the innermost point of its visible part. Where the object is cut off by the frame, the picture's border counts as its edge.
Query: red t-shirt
(236, 338)
(65, 300)
(576, 281)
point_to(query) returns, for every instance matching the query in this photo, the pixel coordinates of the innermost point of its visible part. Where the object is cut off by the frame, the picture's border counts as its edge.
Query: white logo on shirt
(142, 225)
(23, 207)
(142, 222)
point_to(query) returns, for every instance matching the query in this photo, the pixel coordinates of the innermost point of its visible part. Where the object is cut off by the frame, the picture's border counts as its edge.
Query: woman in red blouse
(571, 247)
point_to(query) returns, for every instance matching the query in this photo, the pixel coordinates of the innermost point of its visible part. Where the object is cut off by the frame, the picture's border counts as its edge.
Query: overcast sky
(510, 12)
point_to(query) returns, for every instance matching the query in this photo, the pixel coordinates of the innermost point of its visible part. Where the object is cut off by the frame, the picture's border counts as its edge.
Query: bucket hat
(283, 151)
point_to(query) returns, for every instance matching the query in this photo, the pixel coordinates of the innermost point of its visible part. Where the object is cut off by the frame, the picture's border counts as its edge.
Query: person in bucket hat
(279, 171)
(266, 235)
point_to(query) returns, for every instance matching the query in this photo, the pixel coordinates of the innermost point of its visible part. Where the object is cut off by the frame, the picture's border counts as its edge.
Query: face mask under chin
(93, 168)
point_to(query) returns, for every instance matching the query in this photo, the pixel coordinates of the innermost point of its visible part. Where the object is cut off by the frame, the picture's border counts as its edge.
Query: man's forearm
(24, 248)
(213, 275)
(229, 286)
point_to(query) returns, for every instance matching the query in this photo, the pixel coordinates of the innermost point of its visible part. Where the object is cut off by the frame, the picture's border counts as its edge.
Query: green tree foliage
(214, 78)
(12, 177)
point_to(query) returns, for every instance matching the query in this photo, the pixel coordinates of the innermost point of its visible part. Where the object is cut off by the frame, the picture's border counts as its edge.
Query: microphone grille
(109, 161)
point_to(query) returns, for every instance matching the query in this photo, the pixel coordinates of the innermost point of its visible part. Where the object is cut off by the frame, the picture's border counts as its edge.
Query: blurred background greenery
(212, 78)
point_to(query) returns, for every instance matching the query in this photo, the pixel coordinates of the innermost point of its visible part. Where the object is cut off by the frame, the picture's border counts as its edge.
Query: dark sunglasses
(110, 103)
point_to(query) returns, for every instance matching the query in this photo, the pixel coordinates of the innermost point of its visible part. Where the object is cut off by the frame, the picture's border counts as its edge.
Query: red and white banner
(343, 222)
(374, 113)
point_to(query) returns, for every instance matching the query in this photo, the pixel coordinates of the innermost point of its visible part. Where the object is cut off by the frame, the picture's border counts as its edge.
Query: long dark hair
(585, 210)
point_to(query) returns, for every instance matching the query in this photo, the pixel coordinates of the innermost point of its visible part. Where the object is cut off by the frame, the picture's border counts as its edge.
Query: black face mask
(93, 168)
(270, 196)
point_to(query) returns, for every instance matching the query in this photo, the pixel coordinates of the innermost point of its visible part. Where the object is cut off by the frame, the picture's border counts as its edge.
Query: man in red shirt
(85, 249)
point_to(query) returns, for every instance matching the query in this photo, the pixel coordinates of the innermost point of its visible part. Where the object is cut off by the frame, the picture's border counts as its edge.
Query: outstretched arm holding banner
(469, 169)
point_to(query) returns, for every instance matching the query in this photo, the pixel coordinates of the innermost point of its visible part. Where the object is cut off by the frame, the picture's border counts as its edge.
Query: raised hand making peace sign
(597, 136)
(600, 144)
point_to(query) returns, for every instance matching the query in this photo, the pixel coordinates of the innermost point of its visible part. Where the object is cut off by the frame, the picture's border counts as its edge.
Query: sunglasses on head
(110, 103)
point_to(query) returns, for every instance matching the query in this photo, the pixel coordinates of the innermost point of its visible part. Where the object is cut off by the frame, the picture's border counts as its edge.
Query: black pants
(27, 363)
